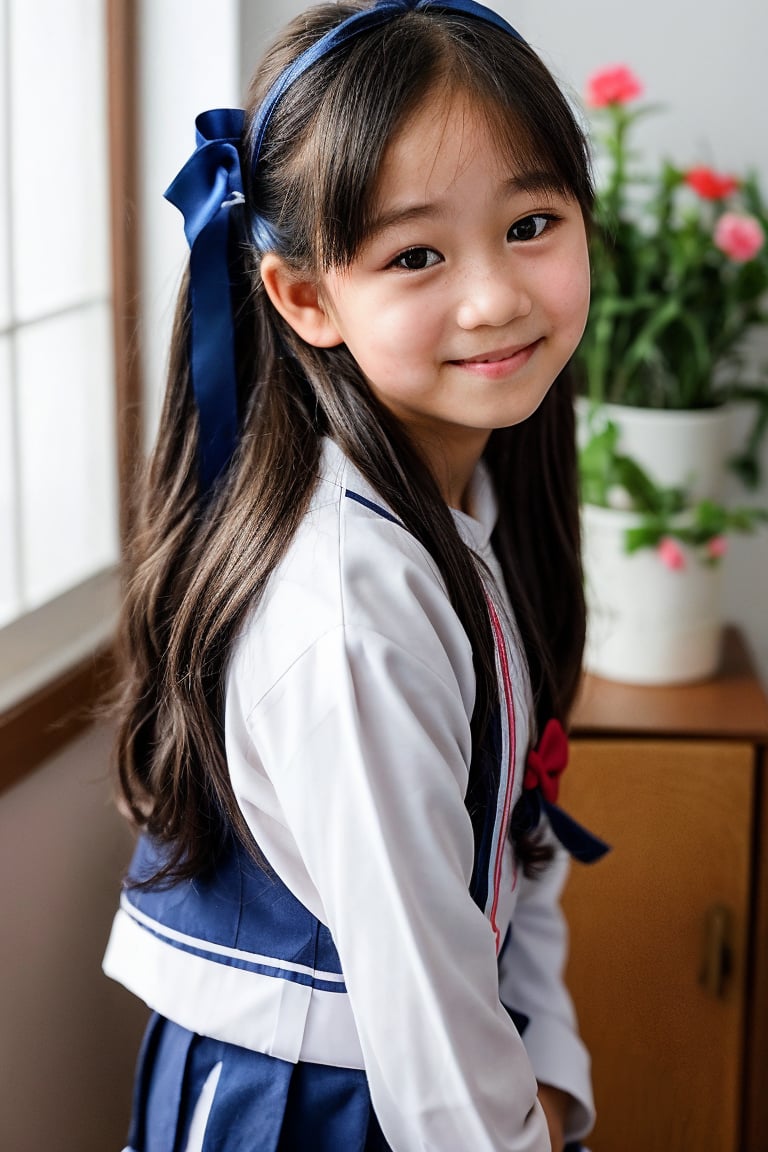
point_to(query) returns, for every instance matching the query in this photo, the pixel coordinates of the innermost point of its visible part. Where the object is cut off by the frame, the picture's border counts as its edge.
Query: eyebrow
(533, 183)
(405, 215)
(537, 181)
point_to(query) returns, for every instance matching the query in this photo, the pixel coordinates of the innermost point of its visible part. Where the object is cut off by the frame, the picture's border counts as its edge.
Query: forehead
(438, 143)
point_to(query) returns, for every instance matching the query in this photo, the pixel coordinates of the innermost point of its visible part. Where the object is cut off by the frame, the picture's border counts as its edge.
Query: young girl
(354, 624)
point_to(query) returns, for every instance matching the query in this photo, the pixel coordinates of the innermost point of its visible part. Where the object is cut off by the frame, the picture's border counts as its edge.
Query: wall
(706, 71)
(69, 1036)
(260, 20)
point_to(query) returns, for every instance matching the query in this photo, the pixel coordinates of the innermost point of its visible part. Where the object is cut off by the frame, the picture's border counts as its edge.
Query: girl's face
(471, 292)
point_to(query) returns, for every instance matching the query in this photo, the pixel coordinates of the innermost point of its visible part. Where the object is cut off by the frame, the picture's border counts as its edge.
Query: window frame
(38, 725)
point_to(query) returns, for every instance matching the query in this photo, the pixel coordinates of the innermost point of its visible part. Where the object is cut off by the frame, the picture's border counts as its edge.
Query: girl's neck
(453, 463)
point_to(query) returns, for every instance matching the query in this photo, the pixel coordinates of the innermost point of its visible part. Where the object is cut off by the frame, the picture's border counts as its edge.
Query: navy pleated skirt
(194, 1094)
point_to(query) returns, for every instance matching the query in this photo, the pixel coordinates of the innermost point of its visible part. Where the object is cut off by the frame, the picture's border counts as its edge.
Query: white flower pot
(647, 624)
(681, 449)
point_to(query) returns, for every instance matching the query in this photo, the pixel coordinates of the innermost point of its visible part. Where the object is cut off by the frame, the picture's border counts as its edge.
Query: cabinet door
(666, 1051)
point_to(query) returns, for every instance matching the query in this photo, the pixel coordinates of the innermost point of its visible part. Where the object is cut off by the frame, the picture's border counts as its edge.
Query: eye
(415, 259)
(530, 227)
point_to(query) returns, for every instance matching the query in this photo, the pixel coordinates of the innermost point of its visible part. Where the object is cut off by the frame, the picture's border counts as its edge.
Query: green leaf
(665, 511)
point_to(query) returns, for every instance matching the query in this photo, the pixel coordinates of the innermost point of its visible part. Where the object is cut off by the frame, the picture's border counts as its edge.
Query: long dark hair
(197, 565)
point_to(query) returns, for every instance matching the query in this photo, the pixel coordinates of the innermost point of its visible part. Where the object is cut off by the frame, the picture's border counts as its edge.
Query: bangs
(526, 148)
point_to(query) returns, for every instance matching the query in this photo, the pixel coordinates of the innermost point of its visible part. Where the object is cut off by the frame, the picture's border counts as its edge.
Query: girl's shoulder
(350, 523)
(353, 568)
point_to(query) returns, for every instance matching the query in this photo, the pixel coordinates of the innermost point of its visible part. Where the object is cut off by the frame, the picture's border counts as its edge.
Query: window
(58, 500)
(66, 274)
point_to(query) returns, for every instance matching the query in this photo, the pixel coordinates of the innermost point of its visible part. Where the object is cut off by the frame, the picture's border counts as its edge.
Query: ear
(298, 301)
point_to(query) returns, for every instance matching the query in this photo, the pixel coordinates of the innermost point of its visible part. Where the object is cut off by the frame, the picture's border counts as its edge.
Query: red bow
(547, 761)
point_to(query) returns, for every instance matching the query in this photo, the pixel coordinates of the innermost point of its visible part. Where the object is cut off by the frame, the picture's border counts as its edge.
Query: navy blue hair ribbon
(208, 188)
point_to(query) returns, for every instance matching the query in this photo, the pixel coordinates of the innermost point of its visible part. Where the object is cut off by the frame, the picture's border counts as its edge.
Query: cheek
(569, 297)
(581, 294)
(395, 341)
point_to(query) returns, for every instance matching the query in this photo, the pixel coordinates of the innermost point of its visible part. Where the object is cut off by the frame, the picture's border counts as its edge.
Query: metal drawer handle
(718, 954)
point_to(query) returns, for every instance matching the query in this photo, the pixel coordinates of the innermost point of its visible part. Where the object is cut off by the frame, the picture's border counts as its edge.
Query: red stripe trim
(507, 686)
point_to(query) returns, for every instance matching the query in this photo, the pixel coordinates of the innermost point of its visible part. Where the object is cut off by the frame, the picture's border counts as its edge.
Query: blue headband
(206, 190)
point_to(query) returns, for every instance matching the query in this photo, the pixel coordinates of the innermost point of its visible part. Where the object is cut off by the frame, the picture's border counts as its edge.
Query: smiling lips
(500, 363)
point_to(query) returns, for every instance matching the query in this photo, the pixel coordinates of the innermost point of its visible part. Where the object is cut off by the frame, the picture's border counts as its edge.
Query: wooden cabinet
(669, 933)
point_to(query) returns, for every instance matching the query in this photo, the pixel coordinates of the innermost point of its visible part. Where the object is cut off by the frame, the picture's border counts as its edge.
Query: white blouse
(348, 705)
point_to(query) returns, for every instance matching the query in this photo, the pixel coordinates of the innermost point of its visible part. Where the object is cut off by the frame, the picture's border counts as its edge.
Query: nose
(490, 297)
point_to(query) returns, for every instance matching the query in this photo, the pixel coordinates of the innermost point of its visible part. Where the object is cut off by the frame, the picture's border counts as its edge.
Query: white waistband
(281, 1017)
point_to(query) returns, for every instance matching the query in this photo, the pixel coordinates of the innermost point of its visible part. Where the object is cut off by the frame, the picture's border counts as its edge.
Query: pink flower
(717, 547)
(739, 236)
(709, 184)
(615, 85)
(671, 554)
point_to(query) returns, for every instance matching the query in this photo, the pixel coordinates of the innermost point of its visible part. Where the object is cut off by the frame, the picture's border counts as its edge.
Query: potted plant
(680, 275)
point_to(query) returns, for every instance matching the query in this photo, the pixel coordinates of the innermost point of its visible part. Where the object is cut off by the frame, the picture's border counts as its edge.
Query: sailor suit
(368, 985)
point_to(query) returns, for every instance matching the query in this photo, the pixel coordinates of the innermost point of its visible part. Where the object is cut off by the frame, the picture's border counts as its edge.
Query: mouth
(500, 360)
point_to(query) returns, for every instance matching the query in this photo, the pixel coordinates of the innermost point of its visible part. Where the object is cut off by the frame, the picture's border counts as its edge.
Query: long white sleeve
(349, 698)
(531, 982)
(367, 747)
